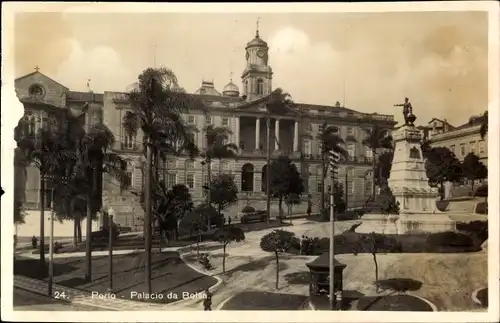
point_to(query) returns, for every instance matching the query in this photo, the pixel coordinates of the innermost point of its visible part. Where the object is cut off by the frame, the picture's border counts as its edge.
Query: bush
(449, 239)
(481, 191)
(482, 208)
(103, 233)
(228, 233)
(442, 205)
(477, 229)
(248, 209)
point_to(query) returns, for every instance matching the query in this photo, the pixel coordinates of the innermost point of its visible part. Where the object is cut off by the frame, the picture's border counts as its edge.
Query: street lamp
(111, 213)
(51, 248)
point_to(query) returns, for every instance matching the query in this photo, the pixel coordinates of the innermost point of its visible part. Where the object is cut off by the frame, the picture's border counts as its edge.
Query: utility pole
(323, 166)
(346, 190)
(268, 167)
(51, 247)
(110, 246)
(334, 159)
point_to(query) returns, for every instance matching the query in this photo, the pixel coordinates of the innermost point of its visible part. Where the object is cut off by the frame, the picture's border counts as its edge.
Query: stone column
(277, 134)
(237, 132)
(296, 137)
(257, 133)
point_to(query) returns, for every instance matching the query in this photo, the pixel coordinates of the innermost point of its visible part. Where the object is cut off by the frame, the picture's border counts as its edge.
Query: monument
(409, 185)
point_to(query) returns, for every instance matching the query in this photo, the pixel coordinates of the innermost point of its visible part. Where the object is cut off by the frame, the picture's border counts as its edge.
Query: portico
(252, 134)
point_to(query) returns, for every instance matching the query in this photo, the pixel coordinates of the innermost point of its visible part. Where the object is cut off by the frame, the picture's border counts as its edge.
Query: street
(28, 301)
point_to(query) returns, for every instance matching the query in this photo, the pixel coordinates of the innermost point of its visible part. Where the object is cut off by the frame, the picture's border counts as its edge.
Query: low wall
(61, 229)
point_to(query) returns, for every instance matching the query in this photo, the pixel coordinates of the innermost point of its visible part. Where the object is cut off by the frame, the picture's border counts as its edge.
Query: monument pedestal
(409, 185)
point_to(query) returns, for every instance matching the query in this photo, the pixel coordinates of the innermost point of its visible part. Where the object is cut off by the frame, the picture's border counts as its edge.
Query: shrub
(482, 208)
(481, 191)
(478, 229)
(248, 209)
(445, 240)
(442, 205)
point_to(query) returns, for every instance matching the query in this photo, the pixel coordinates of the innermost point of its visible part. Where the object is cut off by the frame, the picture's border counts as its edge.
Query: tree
(376, 138)
(223, 191)
(373, 243)
(384, 166)
(157, 108)
(225, 236)
(474, 169)
(483, 131)
(330, 140)
(46, 150)
(172, 206)
(284, 180)
(277, 241)
(217, 148)
(385, 202)
(442, 166)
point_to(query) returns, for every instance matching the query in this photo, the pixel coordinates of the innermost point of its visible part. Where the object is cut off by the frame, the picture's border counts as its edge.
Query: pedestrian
(207, 302)
(34, 241)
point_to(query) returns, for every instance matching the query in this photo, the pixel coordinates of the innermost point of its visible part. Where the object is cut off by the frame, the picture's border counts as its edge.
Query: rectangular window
(351, 149)
(350, 131)
(128, 142)
(319, 187)
(171, 163)
(307, 147)
(225, 122)
(452, 149)
(320, 147)
(482, 147)
(208, 120)
(462, 150)
(190, 180)
(191, 120)
(171, 179)
(225, 166)
(472, 147)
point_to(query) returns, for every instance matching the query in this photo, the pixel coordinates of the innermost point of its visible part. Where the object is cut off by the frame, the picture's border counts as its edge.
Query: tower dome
(132, 87)
(231, 89)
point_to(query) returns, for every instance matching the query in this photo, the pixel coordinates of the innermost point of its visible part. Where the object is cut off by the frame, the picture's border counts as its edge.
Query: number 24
(58, 295)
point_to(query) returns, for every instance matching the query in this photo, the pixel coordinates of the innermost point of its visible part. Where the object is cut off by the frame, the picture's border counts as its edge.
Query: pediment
(39, 88)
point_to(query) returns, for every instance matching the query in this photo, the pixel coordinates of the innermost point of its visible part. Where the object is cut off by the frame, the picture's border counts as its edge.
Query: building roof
(207, 87)
(37, 72)
(77, 96)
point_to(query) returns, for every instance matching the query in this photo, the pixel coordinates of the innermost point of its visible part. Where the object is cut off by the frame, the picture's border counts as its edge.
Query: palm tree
(330, 140)
(46, 150)
(277, 103)
(484, 125)
(157, 109)
(217, 148)
(376, 138)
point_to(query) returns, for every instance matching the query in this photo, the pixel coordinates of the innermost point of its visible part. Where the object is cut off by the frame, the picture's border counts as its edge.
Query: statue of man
(407, 109)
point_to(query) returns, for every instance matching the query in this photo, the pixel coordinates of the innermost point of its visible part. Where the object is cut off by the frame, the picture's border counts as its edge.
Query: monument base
(406, 223)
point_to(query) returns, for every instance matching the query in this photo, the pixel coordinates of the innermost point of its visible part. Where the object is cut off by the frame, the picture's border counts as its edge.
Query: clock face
(261, 53)
(248, 55)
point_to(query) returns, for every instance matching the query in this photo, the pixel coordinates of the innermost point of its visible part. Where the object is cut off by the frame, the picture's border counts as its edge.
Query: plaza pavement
(249, 249)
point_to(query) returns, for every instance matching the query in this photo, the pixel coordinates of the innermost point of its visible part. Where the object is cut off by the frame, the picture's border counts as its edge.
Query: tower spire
(257, 30)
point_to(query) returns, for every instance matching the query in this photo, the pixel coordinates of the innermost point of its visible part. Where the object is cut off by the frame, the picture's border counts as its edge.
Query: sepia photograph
(222, 158)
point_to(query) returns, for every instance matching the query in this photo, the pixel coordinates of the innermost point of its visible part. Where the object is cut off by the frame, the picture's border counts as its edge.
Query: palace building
(293, 133)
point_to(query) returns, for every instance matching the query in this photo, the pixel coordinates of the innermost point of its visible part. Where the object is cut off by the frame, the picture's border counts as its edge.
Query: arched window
(264, 178)
(31, 125)
(245, 88)
(414, 153)
(53, 123)
(247, 171)
(260, 87)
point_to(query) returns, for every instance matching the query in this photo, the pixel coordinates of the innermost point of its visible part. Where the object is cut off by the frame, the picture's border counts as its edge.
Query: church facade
(294, 133)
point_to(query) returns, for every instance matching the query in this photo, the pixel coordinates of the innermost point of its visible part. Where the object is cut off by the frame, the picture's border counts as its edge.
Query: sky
(368, 61)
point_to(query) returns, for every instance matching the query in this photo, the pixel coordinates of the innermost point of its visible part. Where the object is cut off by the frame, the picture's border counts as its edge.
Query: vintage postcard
(185, 162)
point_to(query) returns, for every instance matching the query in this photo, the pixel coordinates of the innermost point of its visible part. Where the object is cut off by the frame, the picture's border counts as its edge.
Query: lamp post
(334, 159)
(111, 213)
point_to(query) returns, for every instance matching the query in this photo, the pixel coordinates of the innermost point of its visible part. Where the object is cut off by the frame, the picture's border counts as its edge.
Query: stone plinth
(409, 185)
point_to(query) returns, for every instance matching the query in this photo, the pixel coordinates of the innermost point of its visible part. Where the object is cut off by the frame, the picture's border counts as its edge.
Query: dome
(257, 41)
(231, 90)
(132, 87)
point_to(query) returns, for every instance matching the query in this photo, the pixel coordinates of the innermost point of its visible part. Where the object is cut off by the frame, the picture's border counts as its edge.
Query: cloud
(102, 65)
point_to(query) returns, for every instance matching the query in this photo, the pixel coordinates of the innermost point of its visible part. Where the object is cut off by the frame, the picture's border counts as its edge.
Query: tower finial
(37, 68)
(257, 31)
(231, 76)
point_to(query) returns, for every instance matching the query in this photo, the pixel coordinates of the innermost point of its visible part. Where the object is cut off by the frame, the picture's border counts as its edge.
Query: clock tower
(257, 76)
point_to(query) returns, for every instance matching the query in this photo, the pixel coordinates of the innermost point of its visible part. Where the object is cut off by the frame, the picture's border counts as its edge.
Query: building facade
(294, 133)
